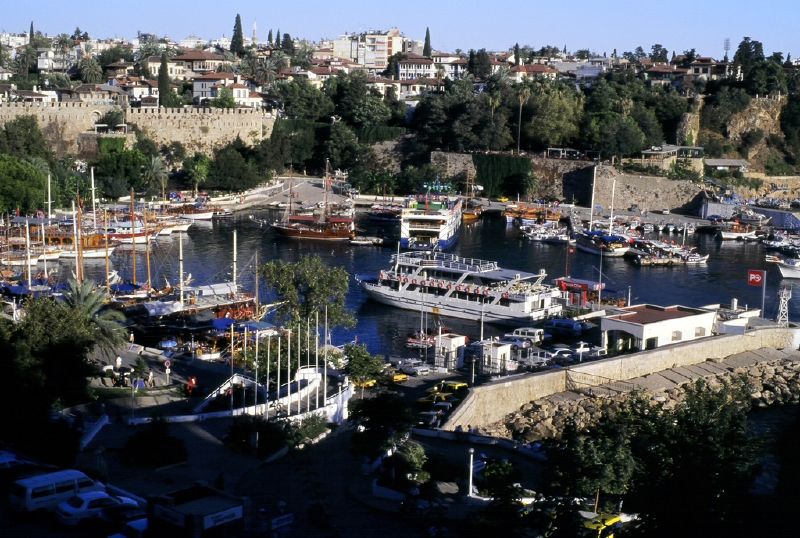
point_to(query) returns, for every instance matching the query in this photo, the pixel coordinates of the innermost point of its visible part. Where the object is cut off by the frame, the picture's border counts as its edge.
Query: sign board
(167, 364)
(167, 371)
(755, 277)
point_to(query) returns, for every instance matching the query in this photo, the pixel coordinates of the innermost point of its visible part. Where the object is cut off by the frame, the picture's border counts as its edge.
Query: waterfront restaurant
(646, 326)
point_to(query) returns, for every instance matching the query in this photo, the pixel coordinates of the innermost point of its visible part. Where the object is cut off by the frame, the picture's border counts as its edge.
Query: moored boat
(444, 284)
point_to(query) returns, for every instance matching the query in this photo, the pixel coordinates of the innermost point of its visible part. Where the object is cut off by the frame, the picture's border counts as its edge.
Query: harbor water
(208, 255)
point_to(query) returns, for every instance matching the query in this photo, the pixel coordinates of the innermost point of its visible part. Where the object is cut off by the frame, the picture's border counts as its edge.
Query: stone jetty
(773, 374)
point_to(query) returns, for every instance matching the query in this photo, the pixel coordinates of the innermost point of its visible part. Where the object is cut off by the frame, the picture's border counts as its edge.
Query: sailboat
(325, 226)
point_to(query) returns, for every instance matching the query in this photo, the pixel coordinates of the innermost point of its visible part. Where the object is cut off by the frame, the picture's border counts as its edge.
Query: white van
(48, 490)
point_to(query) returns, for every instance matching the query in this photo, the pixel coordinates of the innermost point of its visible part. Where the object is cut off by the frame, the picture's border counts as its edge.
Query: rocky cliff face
(761, 114)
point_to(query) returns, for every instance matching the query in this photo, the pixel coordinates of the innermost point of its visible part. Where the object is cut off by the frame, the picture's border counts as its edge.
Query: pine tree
(426, 50)
(269, 38)
(164, 88)
(237, 41)
(516, 54)
(30, 33)
(287, 44)
(278, 39)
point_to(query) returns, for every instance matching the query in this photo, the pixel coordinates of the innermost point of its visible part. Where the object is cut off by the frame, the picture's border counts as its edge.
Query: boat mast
(28, 252)
(146, 248)
(133, 240)
(591, 206)
(611, 213)
(258, 306)
(180, 273)
(94, 208)
(44, 249)
(49, 200)
(326, 184)
(79, 260)
(234, 259)
(105, 225)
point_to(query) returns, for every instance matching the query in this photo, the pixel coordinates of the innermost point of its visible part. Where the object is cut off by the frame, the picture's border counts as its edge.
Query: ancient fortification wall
(61, 123)
(492, 402)
(199, 130)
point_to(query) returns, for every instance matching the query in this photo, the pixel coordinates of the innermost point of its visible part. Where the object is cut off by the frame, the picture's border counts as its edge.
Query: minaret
(255, 36)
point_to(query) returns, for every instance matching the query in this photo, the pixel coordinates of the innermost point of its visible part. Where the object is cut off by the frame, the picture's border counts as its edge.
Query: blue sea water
(208, 254)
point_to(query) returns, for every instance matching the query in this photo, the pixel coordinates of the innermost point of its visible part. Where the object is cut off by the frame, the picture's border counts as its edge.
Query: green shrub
(255, 435)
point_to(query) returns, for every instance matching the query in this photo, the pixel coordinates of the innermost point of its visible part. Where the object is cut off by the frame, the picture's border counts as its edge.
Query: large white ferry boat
(444, 284)
(429, 223)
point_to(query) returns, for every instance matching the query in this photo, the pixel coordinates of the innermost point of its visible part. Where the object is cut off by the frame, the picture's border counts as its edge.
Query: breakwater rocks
(773, 383)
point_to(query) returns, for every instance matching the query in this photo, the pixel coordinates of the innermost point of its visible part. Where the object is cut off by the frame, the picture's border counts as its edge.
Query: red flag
(756, 277)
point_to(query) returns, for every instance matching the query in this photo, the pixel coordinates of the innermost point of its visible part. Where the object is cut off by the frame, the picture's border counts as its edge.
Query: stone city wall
(199, 130)
(61, 123)
(492, 402)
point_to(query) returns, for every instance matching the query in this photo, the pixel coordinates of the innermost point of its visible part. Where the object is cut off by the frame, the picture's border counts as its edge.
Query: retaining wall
(492, 402)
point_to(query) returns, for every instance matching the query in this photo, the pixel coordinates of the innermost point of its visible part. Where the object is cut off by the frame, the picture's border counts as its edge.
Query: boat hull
(454, 308)
(293, 232)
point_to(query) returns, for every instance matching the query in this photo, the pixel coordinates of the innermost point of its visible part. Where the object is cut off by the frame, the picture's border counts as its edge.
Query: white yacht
(468, 288)
(429, 223)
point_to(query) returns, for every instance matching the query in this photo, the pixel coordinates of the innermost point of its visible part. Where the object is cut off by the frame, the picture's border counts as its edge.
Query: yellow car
(434, 397)
(399, 377)
(454, 386)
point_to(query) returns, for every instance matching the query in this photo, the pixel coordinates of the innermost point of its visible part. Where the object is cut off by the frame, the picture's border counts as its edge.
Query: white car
(89, 505)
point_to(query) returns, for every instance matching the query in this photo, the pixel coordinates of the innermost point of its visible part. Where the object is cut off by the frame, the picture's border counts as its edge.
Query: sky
(598, 25)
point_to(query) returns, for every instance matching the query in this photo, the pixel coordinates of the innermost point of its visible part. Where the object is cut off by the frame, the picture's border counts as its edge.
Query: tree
(385, 420)
(155, 174)
(392, 65)
(90, 70)
(22, 137)
(197, 168)
(224, 99)
(479, 64)
(237, 40)
(426, 48)
(361, 366)
(659, 53)
(277, 39)
(342, 147)
(62, 43)
(516, 54)
(287, 44)
(301, 100)
(91, 303)
(307, 287)
(164, 86)
(371, 111)
(523, 95)
(22, 185)
(269, 37)
(77, 35)
(30, 33)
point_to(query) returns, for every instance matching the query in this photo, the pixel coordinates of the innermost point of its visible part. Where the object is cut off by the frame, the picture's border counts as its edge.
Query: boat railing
(447, 261)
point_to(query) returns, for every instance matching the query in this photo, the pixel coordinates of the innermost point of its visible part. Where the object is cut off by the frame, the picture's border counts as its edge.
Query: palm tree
(155, 173)
(89, 302)
(62, 43)
(524, 95)
(91, 71)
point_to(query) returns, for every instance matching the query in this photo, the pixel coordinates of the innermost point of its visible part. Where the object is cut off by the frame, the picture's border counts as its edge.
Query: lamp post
(469, 486)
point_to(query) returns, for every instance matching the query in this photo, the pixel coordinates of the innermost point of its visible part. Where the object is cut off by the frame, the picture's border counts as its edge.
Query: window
(41, 491)
(676, 336)
(67, 485)
(699, 331)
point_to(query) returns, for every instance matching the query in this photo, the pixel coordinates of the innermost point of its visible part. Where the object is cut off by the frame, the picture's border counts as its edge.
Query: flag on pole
(756, 277)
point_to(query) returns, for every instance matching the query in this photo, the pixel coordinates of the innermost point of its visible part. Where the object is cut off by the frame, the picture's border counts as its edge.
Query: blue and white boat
(431, 223)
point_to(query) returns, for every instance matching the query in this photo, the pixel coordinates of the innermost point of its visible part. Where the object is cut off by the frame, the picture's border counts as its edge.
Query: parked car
(90, 505)
(132, 529)
(714, 219)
